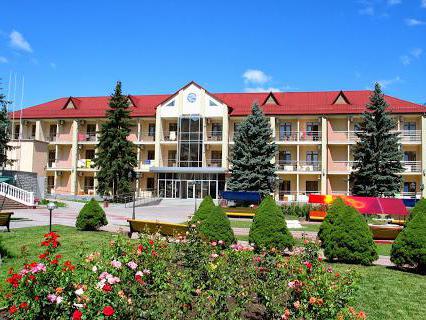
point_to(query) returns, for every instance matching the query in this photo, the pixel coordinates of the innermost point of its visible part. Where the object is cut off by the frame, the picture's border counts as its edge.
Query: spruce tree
(377, 154)
(4, 131)
(116, 156)
(253, 151)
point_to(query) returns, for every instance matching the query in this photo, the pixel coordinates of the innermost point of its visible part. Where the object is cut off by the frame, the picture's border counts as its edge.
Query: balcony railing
(303, 166)
(147, 136)
(412, 166)
(89, 136)
(411, 135)
(172, 163)
(170, 136)
(343, 136)
(214, 162)
(341, 165)
(214, 136)
(85, 163)
(298, 136)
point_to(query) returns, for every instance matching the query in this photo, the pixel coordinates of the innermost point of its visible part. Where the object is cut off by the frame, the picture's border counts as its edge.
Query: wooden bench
(5, 219)
(317, 215)
(153, 227)
(240, 214)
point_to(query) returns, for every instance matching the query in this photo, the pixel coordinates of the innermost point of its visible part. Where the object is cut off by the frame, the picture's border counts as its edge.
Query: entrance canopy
(187, 170)
(365, 205)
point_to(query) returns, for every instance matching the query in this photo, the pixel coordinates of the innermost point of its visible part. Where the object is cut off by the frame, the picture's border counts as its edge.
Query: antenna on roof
(8, 90)
(22, 99)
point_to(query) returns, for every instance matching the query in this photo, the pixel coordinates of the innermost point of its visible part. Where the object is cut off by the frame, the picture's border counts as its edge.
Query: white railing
(213, 136)
(343, 136)
(411, 135)
(412, 166)
(298, 136)
(17, 194)
(305, 166)
(341, 165)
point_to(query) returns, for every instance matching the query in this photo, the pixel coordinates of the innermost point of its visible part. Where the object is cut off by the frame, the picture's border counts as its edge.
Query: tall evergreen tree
(4, 132)
(253, 151)
(377, 154)
(116, 156)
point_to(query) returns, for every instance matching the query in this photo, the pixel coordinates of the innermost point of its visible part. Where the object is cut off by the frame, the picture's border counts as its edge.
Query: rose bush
(184, 278)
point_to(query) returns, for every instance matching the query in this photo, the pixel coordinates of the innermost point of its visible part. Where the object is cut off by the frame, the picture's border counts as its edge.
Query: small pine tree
(203, 210)
(419, 207)
(91, 217)
(345, 236)
(254, 148)
(269, 229)
(116, 156)
(4, 131)
(377, 154)
(216, 226)
(409, 247)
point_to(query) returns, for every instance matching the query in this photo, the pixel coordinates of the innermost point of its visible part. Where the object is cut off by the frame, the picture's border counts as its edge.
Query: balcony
(147, 136)
(295, 136)
(301, 166)
(87, 137)
(85, 164)
(411, 136)
(343, 136)
(213, 136)
(412, 166)
(172, 163)
(214, 162)
(170, 136)
(340, 166)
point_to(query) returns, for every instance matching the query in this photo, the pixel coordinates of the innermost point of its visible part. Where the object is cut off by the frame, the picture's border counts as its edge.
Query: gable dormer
(131, 101)
(341, 99)
(270, 99)
(72, 103)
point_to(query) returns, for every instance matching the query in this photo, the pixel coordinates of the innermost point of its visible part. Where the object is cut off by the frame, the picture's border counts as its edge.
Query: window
(33, 131)
(216, 129)
(150, 183)
(90, 154)
(212, 103)
(89, 185)
(16, 132)
(50, 183)
(312, 157)
(171, 104)
(311, 187)
(285, 131)
(172, 127)
(190, 141)
(151, 130)
(285, 187)
(284, 157)
(410, 187)
(217, 155)
(51, 158)
(409, 126)
(91, 129)
(236, 126)
(312, 130)
(171, 158)
(409, 156)
(150, 155)
(52, 132)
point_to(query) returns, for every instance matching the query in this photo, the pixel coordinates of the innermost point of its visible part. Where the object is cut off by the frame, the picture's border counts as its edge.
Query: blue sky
(81, 48)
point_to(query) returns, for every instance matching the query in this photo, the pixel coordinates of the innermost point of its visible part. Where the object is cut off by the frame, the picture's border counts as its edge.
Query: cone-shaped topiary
(269, 229)
(216, 226)
(91, 217)
(203, 210)
(345, 235)
(409, 247)
(419, 207)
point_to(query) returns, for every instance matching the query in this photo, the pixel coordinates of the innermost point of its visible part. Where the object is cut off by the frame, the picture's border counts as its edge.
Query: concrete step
(9, 204)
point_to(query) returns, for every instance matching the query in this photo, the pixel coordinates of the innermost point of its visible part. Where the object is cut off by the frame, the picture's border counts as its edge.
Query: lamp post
(51, 206)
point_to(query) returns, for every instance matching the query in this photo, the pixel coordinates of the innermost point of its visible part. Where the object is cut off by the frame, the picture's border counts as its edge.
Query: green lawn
(389, 294)
(384, 249)
(384, 293)
(24, 244)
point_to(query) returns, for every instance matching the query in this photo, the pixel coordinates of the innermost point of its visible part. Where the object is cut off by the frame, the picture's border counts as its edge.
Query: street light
(51, 206)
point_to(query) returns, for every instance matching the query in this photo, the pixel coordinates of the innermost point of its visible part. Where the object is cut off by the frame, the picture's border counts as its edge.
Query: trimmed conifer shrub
(409, 247)
(346, 237)
(419, 207)
(216, 226)
(269, 229)
(91, 217)
(203, 210)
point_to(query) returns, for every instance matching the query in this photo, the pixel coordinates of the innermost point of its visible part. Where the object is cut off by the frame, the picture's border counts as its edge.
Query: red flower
(13, 309)
(68, 266)
(23, 305)
(54, 261)
(151, 242)
(36, 298)
(108, 311)
(43, 255)
(308, 265)
(77, 315)
(58, 256)
(107, 287)
(154, 253)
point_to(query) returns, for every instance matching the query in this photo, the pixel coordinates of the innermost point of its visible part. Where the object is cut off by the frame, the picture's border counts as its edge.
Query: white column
(74, 156)
(324, 154)
(158, 134)
(225, 137)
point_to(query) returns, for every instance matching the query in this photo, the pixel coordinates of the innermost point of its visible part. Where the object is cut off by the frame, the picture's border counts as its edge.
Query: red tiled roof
(289, 103)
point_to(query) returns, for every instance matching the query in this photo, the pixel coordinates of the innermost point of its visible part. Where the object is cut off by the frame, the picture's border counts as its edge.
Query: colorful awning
(365, 205)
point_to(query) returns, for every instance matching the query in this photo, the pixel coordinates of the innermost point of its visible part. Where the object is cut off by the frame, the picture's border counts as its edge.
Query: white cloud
(18, 41)
(414, 22)
(387, 82)
(261, 89)
(367, 11)
(423, 4)
(52, 65)
(3, 60)
(255, 76)
(416, 52)
(394, 2)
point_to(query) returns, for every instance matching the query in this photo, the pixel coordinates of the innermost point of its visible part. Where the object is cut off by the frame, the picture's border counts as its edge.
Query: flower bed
(153, 278)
